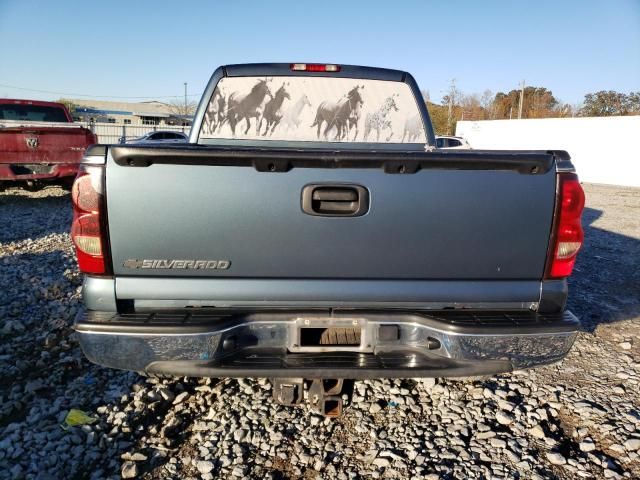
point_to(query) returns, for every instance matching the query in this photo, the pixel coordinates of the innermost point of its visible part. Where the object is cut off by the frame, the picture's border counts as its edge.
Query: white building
(140, 113)
(603, 149)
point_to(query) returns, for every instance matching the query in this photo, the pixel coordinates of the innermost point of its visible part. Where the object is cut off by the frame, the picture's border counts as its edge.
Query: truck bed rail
(285, 159)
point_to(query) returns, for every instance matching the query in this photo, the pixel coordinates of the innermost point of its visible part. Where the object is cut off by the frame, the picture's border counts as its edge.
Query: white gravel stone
(587, 446)
(485, 435)
(504, 418)
(181, 398)
(556, 458)
(204, 466)
(381, 462)
(632, 444)
(239, 434)
(616, 447)
(537, 432)
(497, 443)
(167, 394)
(129, 470)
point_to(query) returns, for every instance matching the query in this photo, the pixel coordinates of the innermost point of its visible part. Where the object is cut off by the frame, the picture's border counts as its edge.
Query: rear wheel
(33, 185)
(67, 183)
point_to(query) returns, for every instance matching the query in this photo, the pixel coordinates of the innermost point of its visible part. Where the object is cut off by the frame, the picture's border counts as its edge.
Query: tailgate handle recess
(335, 200)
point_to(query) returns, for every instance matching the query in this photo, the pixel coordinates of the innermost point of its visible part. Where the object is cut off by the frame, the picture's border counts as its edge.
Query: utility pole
(185, 98)
(521, 101)
(452, 92)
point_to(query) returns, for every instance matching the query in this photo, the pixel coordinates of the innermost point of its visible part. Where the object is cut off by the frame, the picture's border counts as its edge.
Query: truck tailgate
(462, 223)
(37, 144)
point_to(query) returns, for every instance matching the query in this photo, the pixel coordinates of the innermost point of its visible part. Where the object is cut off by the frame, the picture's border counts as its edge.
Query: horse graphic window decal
(324, 109)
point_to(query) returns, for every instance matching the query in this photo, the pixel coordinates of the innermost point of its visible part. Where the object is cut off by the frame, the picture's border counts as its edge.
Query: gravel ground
(577, 419)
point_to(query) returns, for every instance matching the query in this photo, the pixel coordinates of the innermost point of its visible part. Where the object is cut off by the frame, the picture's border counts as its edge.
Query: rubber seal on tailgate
(276, 159)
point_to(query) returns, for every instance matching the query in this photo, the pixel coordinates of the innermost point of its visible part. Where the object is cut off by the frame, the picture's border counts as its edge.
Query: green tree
(607, 103)
(539, 102)
(68, 103)
(439, 118)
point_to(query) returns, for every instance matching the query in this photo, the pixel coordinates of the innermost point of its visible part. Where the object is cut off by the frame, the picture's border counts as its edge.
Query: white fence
(112, 132)
(603, 149)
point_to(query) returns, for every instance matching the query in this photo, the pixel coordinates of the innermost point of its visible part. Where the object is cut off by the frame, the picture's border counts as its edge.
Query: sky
(146, 50)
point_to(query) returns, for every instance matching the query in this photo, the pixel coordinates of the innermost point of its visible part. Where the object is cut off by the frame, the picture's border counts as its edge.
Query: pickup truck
(284, 242)
(40, 143)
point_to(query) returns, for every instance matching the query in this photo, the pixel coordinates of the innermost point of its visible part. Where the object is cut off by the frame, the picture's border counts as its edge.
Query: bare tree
(181, 109)
(487, 103)
(471, 107)
(451, 100)
(564, 110)
(575, 108)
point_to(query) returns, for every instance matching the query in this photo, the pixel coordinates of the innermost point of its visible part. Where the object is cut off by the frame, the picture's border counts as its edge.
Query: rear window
(314, 109)
(32, 113)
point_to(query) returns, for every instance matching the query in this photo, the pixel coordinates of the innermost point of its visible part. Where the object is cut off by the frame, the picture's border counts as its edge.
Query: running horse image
(247, 106)
(337, 114)
(215, 114)
(412, 128)
(353, 121)
(378, 120)
(272, 114)
(291, 118)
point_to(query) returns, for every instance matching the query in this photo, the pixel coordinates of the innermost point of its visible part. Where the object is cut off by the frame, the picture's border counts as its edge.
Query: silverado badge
(173, 264)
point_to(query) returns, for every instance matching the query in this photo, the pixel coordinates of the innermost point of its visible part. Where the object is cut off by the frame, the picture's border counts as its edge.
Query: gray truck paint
(100, 293)
(434, 224)
(224, 291)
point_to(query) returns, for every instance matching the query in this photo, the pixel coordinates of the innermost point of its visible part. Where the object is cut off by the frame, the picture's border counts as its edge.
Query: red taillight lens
(84, 195)
(568, 236)
(87, 229)
(315, 67)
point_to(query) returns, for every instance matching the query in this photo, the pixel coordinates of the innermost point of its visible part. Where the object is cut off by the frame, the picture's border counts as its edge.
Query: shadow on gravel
(605, 286)
(33, 216)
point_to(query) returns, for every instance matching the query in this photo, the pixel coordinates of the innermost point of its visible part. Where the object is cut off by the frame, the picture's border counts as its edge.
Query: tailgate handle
(335, 200)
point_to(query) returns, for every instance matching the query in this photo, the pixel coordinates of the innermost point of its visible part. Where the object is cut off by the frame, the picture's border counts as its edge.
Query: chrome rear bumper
(393, 344)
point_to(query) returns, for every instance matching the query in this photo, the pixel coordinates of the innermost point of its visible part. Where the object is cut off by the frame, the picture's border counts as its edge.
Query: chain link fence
(110, 133)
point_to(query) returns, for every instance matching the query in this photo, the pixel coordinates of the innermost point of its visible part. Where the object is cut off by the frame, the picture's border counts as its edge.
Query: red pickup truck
(39, 142)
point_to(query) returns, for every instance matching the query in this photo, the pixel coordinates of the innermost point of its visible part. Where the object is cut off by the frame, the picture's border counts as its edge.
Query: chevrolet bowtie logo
(130, 263)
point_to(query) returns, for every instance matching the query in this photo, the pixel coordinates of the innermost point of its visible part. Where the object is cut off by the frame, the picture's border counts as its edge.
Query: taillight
(315, 67)
(567, 236)
(88, 230)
